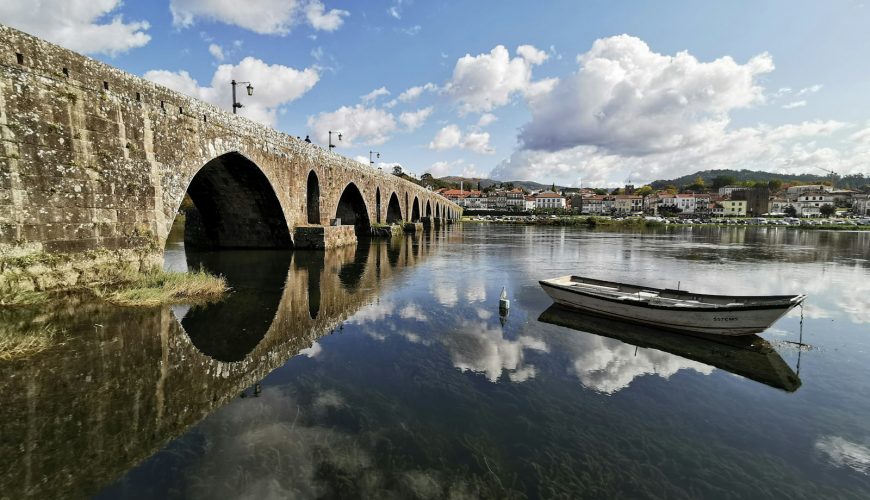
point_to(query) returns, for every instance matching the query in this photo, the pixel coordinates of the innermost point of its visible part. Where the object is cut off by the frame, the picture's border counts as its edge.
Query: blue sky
(568, 92)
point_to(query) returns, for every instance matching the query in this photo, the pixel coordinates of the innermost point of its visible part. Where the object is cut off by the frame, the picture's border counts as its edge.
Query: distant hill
(471, 183)
(857, 181)
(845, 182)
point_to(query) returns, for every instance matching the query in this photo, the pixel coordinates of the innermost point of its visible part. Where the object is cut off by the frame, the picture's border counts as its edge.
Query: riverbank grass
(158, 287)
(18, 344)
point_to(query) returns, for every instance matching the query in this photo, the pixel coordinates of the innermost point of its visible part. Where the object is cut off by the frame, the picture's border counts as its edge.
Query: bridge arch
(428, 208)
(312, 198)
(235, 206)
(352, 210)
(415, 211)
(394, 210)
(407, 207)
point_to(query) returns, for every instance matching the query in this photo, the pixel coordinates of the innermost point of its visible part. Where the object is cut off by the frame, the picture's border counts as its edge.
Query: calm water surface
(386, 371)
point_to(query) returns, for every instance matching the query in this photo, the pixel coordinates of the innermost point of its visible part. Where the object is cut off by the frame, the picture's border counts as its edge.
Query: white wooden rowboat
(677, 310)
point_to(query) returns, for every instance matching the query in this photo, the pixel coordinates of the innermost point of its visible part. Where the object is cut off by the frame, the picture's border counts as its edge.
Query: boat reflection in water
(748, 356)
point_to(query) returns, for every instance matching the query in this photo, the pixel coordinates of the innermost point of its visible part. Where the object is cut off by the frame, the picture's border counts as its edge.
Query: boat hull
(710, 322)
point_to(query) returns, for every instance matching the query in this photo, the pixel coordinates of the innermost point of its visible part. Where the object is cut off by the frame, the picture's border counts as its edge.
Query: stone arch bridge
(95, 163)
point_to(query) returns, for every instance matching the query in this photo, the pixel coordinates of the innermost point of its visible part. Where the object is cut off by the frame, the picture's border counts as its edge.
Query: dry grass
(19, 298)
(18, 344)
(162, 287)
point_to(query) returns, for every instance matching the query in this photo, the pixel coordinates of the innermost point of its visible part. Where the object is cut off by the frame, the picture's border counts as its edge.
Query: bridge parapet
(95, 163)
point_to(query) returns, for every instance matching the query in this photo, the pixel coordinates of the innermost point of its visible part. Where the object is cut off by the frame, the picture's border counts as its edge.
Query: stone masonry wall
(94, 163)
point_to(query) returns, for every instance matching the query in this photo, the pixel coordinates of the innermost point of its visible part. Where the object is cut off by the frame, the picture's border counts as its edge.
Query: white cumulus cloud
(266, 17)
(451, 136)
(486, 81)
(413, 120)
(629, 111)
(456, 167)
(78, 25)
(415, 92)
(325, 20)
(486, 119)
(374, 94)
(274, 86)
(628, 99)
(795, 104)
(477, 142)
(216, 51)
(372, 126)
(446, 138)
(532, 54)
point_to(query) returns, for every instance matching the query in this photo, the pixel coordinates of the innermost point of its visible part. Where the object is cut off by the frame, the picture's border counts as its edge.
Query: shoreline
(638, 223)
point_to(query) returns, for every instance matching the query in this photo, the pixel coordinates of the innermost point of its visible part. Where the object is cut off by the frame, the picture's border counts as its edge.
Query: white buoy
(503, 303)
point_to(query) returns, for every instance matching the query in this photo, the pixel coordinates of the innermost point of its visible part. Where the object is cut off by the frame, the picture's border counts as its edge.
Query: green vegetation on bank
(159, 287)
(638, 222)
(133, 289)
(17, 344)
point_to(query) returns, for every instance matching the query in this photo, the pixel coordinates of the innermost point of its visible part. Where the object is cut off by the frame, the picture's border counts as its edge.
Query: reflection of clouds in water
(259, 448)
(855, 301)
(608, 366)
(412, 311)
(327, 400)
(414, 338)
(180, 311)
(483, 313)
(843, 453)
(373, 312)
(312, 351)
(811, 311)
(267, 447)
(475, 347)
(476, 292)
(523, 374)
(445, 294)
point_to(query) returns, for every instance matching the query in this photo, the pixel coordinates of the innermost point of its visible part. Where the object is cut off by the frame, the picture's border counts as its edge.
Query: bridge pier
(387, 231)
(413, 227)
(427, 223)
(323, 237)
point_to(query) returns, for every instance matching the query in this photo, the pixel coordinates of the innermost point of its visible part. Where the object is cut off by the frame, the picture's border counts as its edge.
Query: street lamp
(250, 89)
(331, 145)
(371, 161)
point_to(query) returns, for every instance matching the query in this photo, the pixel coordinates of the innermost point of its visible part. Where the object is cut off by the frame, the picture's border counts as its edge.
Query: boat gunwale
(784, 301)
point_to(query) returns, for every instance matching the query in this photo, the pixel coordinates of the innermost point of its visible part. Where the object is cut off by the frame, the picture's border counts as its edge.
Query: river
(386, 371)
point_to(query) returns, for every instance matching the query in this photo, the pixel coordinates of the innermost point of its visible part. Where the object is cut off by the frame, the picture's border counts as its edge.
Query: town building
(624, 204)
(730, 189)
(593, 205)
(496, 200)
(777, 206)
(757, 200)
(529, 203)
(729, 208)
(515, 199)
(809, 203)
(549, 200)
(680, 203)
(798, 190)
(861, 204)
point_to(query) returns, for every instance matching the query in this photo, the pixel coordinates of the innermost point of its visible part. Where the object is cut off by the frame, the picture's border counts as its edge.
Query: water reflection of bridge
(127, 381)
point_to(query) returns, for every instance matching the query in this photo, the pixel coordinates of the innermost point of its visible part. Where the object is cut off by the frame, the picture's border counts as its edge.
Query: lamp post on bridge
(371, 161)
(331, 145)
(250, 89)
